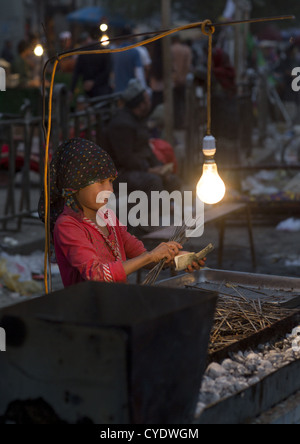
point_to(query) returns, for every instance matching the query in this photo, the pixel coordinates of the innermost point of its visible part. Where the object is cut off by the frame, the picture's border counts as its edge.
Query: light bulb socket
(209, 146)
(209, 160)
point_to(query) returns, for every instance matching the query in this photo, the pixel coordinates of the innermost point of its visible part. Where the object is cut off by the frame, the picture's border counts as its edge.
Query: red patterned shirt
(84, 253)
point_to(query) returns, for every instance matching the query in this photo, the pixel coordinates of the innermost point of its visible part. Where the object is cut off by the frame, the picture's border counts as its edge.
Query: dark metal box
(108, 353)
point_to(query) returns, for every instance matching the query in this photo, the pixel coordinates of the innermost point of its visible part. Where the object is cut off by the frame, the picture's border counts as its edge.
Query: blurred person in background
(146, 60)
(129, 144)
(66, 65)
(93, 69)
(7, 52)
(127, 65)
(37, 62)
(156, 75)
(182, 64)
(24, 67)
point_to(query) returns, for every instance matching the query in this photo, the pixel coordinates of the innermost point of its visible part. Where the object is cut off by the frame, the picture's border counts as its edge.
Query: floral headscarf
(76, 164)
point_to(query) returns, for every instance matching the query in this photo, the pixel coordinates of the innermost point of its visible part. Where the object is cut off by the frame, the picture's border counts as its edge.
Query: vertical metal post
(242, 12)
(10, 209)
(167, 65)
(25, 187)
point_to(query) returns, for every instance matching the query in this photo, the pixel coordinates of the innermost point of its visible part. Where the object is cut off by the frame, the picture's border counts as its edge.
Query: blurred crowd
(134, 135)
(92, 76)
(24, 64)
(268, 67)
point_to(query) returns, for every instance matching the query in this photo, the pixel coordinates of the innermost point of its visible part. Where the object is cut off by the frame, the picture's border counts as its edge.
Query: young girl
(86, 250)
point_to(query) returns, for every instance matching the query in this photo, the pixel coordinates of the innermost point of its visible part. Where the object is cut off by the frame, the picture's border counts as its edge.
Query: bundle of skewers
(180, 237)
(238, 317)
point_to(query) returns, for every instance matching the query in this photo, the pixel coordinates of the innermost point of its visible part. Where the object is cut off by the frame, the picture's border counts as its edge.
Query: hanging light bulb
(210, 188)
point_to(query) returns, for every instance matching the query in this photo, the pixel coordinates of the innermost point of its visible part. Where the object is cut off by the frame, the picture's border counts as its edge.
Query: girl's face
(95, 196)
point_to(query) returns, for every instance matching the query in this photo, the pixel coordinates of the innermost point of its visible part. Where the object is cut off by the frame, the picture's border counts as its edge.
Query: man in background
(127, 65)
(24, 67)
(7, 52)
(182, 65)
(128, 142)
(94, 69)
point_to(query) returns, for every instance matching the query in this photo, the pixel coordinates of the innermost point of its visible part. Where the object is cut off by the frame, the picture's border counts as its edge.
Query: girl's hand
(196, 265)
(166, 250)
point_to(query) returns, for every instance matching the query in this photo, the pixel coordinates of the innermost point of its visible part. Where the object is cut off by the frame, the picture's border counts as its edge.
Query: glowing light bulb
(210, 188)
(103, 27)
(38, 50)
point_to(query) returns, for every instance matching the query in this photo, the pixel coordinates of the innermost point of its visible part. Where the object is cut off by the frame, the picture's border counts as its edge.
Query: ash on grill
(237, 317)
(244, 369)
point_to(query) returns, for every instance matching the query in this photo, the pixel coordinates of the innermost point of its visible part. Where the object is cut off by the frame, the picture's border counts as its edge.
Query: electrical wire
(47, 258)
(47, 131)
(87, 50)
(179, 236)
(208, 30)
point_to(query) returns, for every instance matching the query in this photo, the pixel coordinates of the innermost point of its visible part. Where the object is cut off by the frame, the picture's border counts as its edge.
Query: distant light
(103, 27)
(38, 50)
(105, 40)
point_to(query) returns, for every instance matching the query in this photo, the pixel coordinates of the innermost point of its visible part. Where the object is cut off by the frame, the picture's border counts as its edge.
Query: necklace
(113, 245)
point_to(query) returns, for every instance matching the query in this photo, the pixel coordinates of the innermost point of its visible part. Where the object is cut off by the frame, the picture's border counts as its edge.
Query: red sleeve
(72, 241)
(133, 246)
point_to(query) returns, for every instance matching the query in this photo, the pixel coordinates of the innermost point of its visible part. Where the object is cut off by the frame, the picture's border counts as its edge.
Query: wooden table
(219, 213)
